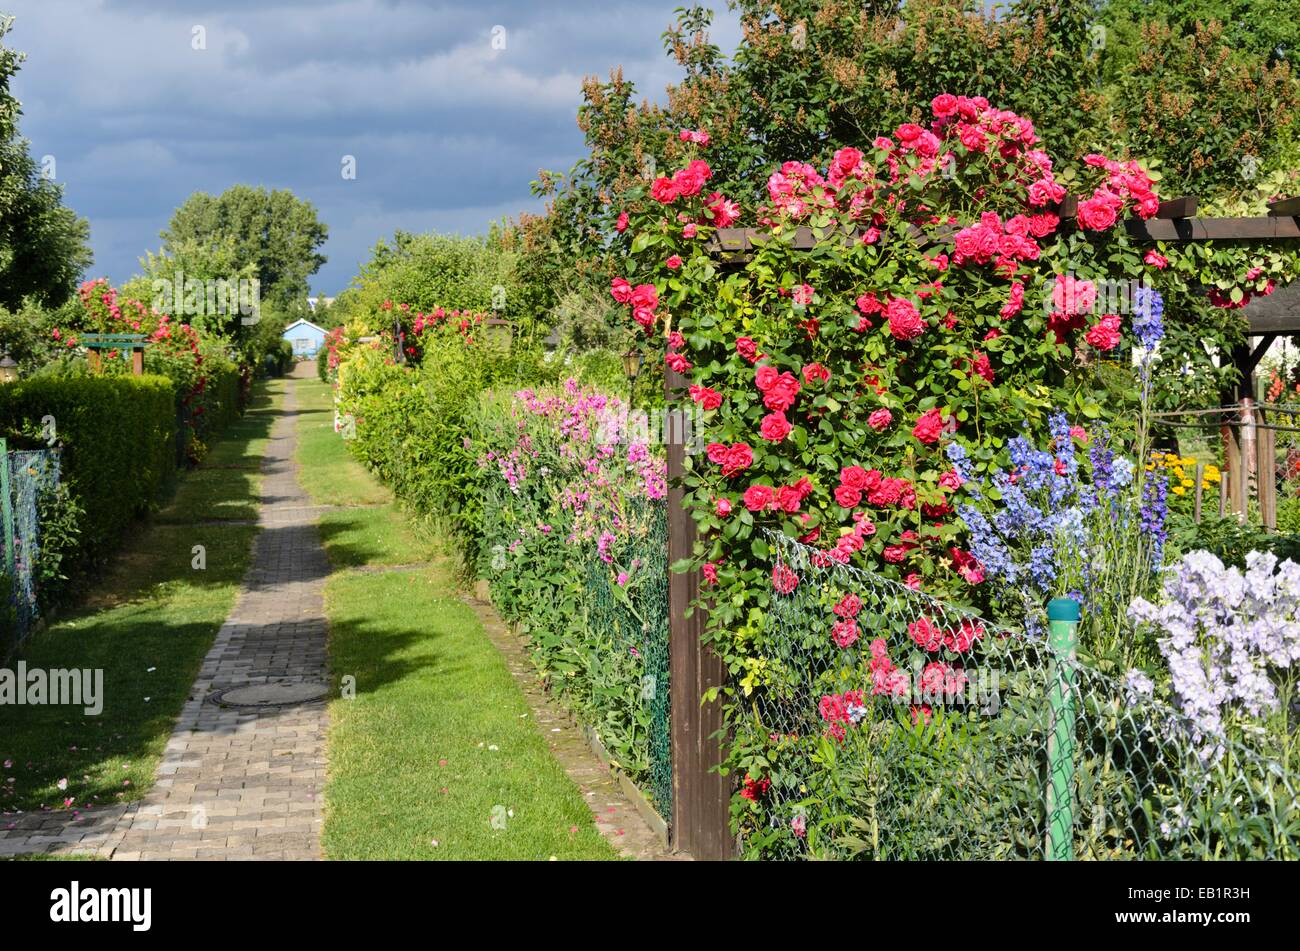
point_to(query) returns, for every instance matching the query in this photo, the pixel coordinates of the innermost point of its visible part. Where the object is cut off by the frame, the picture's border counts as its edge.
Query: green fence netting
(600, 643)
(31, 473)
(936, 734)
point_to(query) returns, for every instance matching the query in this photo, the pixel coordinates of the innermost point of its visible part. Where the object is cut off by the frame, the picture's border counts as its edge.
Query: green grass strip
(438, 745)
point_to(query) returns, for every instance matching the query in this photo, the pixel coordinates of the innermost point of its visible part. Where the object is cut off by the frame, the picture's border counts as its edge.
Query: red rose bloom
(929, 427)
(848, 606)
(788, 498)
(759, 497)
(1104, 335)
(847, 496)
(845, 632)
(815, 373)
(663, 191)
(775, 427)
(905, 322)
(880, 420)
(707, 398)
(784, 581)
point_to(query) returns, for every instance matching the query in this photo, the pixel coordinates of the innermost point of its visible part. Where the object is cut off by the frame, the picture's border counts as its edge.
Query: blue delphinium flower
(956, 453)
(1148, 314)
(1042, 566)
(1154, 510)
(1122, 474)
(985, 545)
(1103, 462)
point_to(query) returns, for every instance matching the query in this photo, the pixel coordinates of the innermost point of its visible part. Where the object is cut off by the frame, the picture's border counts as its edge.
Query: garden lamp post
(632, 361)
(8, 369)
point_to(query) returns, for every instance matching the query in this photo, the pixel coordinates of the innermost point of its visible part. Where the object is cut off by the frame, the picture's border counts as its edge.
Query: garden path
(239, 782)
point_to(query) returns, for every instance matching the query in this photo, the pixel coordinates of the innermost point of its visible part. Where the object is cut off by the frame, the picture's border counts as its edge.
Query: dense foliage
(574, 549)
(273, 233)
(412, 421)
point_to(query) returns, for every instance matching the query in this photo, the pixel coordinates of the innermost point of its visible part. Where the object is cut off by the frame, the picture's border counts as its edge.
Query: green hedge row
(119, 444)
(223, 400)
(413, 424)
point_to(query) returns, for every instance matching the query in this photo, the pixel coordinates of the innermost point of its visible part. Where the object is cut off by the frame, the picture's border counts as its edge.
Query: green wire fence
(601, 645)
(26, 475)
(936, 734)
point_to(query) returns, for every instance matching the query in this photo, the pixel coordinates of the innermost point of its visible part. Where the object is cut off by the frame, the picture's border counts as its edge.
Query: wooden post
(701, 795)
(92, 358)
(1196, 509)
(1266, 478)
(1223, 491)
(1236, 472)
(137, 361)
(1248, 455)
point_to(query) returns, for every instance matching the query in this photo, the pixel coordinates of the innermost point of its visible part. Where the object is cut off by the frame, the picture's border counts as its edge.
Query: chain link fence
(30, 474)
(896, 726)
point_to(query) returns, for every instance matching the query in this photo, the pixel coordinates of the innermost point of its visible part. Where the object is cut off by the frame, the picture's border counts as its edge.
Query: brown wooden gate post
(701, 795)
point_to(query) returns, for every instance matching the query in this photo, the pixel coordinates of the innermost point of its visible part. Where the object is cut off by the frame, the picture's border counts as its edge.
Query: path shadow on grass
(371, 651)
(148, 666)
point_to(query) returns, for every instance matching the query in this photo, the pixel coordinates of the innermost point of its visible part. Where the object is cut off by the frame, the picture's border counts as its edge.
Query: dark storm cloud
(446, 131)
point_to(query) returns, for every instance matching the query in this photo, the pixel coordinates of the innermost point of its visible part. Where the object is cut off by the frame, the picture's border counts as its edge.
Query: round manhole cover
(281, 694)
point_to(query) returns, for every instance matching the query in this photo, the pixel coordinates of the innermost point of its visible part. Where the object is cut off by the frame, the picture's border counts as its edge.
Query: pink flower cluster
(1125, 185)
(1003, 244)
(579, 439)
(643, 299)
(857, 483)
(930, 637)
(787, 498)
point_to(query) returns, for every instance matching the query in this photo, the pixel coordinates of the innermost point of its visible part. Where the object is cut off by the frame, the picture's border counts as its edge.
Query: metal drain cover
(273, 694)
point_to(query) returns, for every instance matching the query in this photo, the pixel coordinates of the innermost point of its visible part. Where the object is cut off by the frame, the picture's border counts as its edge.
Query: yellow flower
(1179, 490)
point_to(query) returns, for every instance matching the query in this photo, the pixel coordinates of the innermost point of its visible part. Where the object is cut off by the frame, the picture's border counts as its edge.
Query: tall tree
(43, 245)
(274, 231)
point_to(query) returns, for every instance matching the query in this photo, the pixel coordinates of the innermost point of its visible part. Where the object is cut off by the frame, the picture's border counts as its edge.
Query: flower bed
(575, 550)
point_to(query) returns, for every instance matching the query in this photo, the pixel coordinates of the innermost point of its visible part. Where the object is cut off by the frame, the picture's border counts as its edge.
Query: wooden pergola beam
(1268, 228)
(1286, 206)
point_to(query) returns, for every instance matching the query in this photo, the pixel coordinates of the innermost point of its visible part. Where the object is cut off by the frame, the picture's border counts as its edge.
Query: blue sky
(447, 131)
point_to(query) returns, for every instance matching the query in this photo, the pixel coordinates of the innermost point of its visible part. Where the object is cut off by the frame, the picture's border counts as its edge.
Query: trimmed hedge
(223, 400)
(118, 438)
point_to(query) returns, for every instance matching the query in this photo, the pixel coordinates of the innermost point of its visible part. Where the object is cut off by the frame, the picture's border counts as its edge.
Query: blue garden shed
(305, 336)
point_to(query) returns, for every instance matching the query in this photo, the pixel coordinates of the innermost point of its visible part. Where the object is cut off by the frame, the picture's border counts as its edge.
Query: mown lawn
(147, 624)
(437, 755)
(373, 530)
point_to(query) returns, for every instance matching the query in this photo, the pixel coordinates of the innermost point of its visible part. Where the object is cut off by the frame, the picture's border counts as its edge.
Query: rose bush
(942, 302)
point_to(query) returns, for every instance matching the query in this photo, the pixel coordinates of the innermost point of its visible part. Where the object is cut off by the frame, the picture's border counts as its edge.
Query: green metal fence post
(1063, 617)
(6, 499)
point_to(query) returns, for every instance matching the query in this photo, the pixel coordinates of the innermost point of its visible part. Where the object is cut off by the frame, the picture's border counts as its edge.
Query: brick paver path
(241, 783)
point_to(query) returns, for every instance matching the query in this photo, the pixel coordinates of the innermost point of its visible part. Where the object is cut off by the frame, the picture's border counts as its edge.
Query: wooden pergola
(1175, 220)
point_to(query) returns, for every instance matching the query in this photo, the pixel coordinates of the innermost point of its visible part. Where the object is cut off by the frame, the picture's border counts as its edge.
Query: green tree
(43, 244)
(274, 231)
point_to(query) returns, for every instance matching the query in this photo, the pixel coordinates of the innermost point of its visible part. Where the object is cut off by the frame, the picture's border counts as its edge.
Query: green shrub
(118, 438)
(413, 424)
